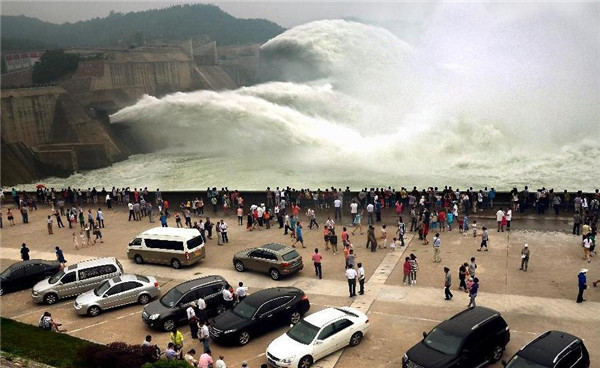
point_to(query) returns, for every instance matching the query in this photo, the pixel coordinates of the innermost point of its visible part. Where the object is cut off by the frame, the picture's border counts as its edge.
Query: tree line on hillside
(173, 23)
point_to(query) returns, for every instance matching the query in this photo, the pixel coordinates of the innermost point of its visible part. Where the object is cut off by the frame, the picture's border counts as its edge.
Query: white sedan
(317, 336)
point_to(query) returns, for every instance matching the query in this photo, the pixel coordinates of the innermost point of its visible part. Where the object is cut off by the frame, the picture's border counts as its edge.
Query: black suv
(169, 310)
(471, 338)
(258, 313)
(553, 349)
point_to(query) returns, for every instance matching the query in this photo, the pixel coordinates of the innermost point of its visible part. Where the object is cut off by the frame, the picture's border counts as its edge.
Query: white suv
(317, 336)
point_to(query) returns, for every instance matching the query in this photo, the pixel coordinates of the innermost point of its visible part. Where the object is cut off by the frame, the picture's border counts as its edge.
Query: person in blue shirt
(299, 235)
(582, 284)
(163, 220)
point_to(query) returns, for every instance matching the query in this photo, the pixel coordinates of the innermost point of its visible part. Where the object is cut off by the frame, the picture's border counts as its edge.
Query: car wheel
(175, 263)
(243, 337)
(295, 317)
(93, 311)
(221, 308)
(356, 338)
(50, 298)
(144, 299)
(497, 353)
(168, 325)
(305, 362)
(138, 259)
(274, 273)
(239, 266)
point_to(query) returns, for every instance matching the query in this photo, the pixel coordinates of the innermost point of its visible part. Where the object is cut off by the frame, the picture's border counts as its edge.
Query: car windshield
(291, 255)
(303, 332)
(5, 273)
(443, 341)
(171, 298)
(101, 289)
(54, 279)
(520, 362)
(244, 310)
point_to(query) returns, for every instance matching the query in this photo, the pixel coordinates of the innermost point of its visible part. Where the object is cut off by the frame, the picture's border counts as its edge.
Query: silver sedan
(115, 292)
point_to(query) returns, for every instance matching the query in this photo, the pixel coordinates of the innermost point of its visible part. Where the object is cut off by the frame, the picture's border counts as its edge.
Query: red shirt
(442, 216)
(406, 267)
(317, 257)
(344, 236)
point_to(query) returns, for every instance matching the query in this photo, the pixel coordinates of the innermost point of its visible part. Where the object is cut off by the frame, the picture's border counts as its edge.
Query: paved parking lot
(532, 302)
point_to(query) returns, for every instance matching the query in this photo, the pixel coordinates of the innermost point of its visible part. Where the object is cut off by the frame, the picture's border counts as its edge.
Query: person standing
(447, 284)
(582, 281)
(218, 230)
(383, 236)
(241, 292)
(472, 267)
(499, 216)
(228, 296)
(508, 218)
(201, 304)
(576, 223)
(49, 221)
(371, 241)
(462, 276)
(361, 278)
(337, 204)
(484, 239)
(333, 240)
(414, 267)
(437, 244)
(224, 228)
(205, 336)
(473, 292)
(192, 321)
(60, 257)
(100, 218)
(525, 257)
(351, 275)
(401, 230)
(587, 244)
(317, 257)
(220, 363)
(176, 338)
(24, 252)
(406, 270)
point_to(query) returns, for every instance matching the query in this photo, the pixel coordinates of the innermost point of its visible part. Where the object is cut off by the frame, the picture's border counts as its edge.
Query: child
(407, 269)
(240, 216)
(470, 284)
(393, 244)
(75, 242)
(383, 236)
(450, 220)
(414, 267)
(465, 228)
(474, 227)
(484, 239)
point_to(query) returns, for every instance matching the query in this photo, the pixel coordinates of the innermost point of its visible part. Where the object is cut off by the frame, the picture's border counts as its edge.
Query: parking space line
(103, 322)
(41, 310)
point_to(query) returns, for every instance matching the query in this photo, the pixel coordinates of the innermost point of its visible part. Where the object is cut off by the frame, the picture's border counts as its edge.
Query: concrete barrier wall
(65, 160)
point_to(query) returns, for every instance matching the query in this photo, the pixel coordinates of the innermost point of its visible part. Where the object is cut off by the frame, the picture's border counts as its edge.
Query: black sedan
(258, 313)
(25, 274)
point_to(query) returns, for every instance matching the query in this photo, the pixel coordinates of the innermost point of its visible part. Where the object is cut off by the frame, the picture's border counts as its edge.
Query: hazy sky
(285, 13)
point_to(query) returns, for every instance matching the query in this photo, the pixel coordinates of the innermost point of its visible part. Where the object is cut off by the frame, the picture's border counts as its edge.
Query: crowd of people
(429, 210)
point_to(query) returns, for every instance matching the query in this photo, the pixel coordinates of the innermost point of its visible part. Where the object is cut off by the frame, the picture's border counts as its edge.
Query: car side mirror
(105, 296)
(424, 334)
(291, 325)
(318, 342)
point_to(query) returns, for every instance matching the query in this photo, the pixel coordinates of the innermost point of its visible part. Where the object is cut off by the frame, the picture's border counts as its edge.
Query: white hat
(583, 270)
(526, 245)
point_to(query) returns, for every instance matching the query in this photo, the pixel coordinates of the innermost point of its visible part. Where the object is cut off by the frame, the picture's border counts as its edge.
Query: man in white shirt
(337, 204)
(437, 244)
(361, 278)
(241, 291)
(499, 216)
(224, 227)
(370, 209)
(205, 336)
(192, 321)
(330, 223)
(353, 210)
(221, 362)
(508, 218)
(201, 304)
(351, 275)
(227, 296)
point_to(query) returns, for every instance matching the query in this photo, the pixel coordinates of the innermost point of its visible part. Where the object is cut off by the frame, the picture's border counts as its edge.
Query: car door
(112, 296)
(212, 295)
(270, 260)
(265, 317)
(68, 285)
(281, 308)
(14, 278)
(35, 273)
(130, 293)
(344, 329)
(475, 349)
(255, 259)
(326, 341)
(190, 296)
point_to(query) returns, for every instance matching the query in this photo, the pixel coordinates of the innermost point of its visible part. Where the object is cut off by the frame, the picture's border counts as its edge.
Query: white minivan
(167, 245)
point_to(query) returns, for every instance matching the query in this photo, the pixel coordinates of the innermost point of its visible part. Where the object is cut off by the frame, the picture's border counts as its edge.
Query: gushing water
(482, 99)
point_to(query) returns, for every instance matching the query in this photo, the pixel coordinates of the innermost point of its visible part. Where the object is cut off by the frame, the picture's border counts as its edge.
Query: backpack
(44, 324)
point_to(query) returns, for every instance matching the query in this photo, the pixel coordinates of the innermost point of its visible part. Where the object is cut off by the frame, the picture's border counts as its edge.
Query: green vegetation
(178, 22)
(55, 349)
(53, 65)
